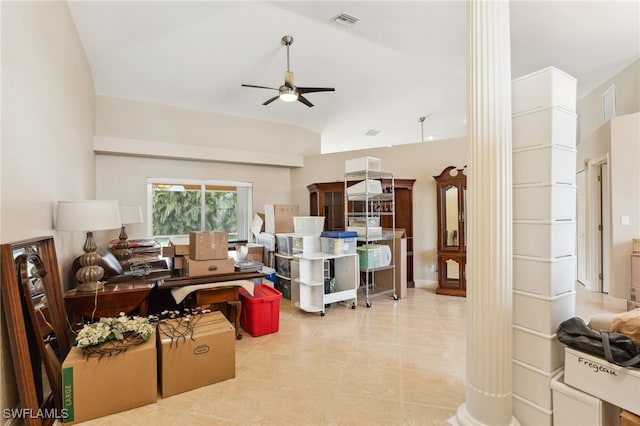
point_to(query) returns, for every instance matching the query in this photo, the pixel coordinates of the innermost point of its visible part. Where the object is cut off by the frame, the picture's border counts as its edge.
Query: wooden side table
(229, 295)
(127, 297)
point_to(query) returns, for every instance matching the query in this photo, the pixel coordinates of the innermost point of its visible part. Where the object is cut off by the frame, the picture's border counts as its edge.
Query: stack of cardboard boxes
(184, 355)
(202, 253)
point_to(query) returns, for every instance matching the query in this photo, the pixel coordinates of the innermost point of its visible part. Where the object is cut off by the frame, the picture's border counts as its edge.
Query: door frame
(597, 212)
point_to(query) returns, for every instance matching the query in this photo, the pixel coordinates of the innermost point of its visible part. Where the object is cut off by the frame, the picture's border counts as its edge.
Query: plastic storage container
(283, 266)
(573, 407)
(339, 242)
(361, 164)
(304, 226)
(308, 244)
(260, 312)
(283, 285)
(369, 257)
(285, 244)
(339, 245)
(362, 221)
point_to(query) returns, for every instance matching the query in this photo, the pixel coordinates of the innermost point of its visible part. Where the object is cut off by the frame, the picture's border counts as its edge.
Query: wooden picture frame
(37, 326)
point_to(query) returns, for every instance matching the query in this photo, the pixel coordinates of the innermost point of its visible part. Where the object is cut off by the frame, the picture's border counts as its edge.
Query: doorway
(593, 227)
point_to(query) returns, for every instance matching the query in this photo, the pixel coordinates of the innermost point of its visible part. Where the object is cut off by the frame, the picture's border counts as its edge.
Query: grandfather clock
(451, 188)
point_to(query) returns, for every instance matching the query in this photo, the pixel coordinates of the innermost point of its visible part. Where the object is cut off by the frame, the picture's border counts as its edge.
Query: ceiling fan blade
(268, 101)
(259, 87)
(315, 89)
(304, 100)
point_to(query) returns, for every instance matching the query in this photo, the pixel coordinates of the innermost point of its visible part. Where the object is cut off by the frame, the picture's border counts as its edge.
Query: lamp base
(91, 273)
(122, 250)
(92, 286)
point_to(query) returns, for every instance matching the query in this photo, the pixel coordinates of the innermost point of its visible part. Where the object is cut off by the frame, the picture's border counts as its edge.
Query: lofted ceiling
(401, 61)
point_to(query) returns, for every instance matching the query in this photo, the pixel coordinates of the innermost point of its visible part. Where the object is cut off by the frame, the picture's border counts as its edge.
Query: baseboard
(615, 302)
(425, 283)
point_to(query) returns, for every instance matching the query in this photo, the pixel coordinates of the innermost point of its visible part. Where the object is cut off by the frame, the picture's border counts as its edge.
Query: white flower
(113, 329)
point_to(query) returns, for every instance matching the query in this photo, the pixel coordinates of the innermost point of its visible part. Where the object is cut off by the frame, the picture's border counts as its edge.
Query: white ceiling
(401, 61)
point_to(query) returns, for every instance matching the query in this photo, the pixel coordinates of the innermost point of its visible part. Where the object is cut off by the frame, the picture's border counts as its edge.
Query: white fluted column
(489, 238)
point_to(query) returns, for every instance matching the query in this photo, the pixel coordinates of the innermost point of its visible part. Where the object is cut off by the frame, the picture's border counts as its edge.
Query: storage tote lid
(339, 234)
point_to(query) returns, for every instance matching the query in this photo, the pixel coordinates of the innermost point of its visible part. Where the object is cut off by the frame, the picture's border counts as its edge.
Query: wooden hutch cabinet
(327, 199)
(451, 189)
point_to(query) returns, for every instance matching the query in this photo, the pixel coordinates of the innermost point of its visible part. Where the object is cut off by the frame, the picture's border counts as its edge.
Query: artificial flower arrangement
(109, 336)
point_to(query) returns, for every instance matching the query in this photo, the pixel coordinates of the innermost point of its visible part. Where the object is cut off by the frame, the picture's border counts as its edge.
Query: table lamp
(88, 216)
(129, 214)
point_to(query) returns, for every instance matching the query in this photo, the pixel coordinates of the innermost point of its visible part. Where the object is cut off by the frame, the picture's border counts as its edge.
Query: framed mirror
(33, 306)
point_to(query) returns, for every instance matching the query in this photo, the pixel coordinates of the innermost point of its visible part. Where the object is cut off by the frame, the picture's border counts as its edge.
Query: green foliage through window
(177, 212)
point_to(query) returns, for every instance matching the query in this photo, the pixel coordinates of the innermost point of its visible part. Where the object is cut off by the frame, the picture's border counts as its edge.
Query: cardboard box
(279, 217)
(254, 252)
(180, 246)
(399, 259)
(199, 268)
(208, 245)
(198, 357)
(629, 419)
(168, 251)
(97, 387)
(602, 379)
(178, 262)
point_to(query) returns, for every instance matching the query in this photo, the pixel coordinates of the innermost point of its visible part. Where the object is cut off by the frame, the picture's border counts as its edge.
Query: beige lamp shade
(88, 215)
(130, 214)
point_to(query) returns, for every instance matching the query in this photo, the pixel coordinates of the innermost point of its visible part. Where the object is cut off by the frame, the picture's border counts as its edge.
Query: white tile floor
(396, 363)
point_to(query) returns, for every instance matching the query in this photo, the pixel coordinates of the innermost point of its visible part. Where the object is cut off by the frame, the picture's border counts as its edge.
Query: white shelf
(313, 270)
(309, 283)
(309, 308)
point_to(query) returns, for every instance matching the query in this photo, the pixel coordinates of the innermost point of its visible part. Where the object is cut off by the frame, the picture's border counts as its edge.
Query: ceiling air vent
(345, 19)
(372, 132)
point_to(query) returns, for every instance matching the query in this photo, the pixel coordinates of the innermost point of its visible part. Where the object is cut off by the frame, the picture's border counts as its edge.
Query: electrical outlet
(624, 220)
(432, 268)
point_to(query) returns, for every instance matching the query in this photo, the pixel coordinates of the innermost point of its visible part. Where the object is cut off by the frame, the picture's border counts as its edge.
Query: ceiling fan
(288, 92)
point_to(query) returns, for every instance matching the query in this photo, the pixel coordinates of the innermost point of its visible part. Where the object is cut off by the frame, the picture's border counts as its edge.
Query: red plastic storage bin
(260, 312)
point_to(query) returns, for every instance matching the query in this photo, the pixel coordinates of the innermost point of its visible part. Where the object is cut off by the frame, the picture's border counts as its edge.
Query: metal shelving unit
(368, 205)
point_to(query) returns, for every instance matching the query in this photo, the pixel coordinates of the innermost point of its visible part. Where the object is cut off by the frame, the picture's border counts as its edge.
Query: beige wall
(47, 128)
(627, 88)
(625, 200)
(618, 139)
(129, 119)
(124, 179)
(415, 161)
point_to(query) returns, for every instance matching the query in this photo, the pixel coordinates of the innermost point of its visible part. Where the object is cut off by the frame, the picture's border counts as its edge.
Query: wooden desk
(125, 297)
(228, 295)
(169, 283)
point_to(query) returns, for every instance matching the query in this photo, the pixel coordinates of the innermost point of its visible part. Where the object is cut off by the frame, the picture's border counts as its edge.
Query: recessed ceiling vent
(372, 132)
(346, 19)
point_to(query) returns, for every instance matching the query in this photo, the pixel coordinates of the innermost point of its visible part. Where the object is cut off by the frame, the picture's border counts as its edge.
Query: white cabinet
(324, 278)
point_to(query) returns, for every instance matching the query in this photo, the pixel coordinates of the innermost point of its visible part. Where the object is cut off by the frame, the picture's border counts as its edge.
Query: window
(177, 207)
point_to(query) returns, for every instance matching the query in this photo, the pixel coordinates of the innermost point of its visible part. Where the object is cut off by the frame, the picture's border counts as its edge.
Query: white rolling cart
(313, 269)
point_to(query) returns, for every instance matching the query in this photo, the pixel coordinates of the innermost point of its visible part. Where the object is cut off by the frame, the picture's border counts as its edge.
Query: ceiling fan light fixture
(288, 94)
